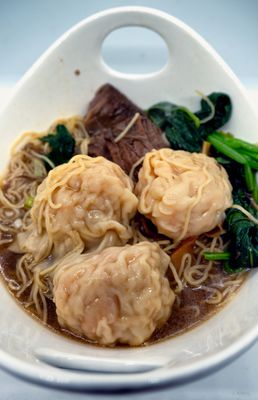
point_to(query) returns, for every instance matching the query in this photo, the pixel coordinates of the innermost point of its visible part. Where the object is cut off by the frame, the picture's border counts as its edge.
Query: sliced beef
(108, 115)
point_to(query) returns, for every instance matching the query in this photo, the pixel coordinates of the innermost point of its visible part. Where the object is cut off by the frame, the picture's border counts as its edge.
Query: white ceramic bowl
(51, 90)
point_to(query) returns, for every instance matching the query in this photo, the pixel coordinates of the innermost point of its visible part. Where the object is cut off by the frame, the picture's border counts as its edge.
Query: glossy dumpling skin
(78, 205)
(184, 194)
(117, 296)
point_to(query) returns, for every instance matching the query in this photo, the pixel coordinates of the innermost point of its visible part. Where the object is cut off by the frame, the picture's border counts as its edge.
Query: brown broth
(8, 261)
(178, 323)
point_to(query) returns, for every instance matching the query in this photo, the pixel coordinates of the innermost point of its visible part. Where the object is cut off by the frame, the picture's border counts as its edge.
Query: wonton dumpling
(79, 204)
(184, 194)
(119, 295)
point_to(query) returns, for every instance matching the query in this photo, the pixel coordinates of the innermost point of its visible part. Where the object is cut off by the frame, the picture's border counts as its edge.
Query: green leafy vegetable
(242, 251)
(216, 256)
(180, 125)
(240, 144)
(28, 202)
(247, 150)
(187, 131)
(223, 110)
(242, 232)
(184, 129)
(255, 194)
(225, 149)
(242, 153)
(250, 161)
(249, 178)
(62, 145)
(243, 245)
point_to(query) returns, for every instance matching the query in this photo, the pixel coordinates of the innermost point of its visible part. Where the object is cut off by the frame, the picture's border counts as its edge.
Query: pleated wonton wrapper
(184, 194)
(119, 295)
(80, 204)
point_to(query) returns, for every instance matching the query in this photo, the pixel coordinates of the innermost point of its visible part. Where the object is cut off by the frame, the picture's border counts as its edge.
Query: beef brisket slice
(108, 115)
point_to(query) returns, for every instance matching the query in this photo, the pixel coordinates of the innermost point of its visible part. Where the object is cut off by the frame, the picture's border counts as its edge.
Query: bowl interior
(51, 90)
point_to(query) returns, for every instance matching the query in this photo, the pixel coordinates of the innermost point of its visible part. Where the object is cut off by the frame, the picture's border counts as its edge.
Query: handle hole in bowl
(135, 50)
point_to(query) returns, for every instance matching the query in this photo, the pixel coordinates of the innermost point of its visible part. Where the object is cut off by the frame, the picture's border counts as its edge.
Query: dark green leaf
(242, 233)
(227, 268)
(182, 132)
(183, 128)
(242, 198)
(223, 111)
(62, 145)
(243, 245)
(179, 124)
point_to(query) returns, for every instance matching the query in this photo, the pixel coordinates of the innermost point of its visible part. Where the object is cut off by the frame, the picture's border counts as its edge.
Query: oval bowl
(51, 90)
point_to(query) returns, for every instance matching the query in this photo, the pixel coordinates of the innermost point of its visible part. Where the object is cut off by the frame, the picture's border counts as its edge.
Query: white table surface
(237, 381)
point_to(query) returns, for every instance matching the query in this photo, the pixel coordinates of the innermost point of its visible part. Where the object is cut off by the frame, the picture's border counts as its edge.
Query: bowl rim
(101, 382)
